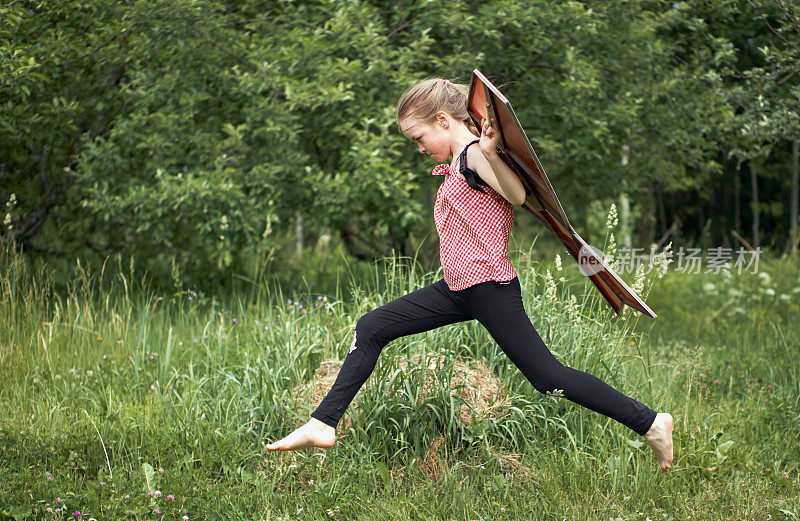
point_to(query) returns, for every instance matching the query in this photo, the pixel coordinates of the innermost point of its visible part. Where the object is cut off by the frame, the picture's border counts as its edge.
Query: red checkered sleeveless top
(473, 231)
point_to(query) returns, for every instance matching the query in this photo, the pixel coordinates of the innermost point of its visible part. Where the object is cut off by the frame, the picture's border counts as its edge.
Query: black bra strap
(470, 175)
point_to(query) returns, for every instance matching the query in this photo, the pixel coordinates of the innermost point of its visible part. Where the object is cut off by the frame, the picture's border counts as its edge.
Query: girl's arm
(492, 169)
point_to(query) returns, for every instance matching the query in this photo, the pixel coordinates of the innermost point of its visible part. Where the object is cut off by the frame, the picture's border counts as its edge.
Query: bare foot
(660, 439)
(312, 434)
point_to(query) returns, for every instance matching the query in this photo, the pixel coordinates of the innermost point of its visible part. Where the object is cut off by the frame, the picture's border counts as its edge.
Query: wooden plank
(515, 149)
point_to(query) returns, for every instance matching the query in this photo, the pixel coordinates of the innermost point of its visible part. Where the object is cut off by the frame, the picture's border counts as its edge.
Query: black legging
(498, 307)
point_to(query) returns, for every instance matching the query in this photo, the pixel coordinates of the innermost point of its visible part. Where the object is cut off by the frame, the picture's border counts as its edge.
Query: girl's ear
(442, 119)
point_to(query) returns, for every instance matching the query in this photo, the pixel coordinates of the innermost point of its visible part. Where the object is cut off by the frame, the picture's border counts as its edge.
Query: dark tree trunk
(701, 222)
(737, 189)
(662, 211)
(351, 240)
(651, 215)
(793, 206)
(298, 229)
(723, 219)
(756, 212)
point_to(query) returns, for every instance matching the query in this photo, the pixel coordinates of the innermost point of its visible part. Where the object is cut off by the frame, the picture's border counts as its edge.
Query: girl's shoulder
(441, 169)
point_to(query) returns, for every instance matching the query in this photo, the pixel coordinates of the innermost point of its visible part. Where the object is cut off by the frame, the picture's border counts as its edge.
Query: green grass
(111, 391)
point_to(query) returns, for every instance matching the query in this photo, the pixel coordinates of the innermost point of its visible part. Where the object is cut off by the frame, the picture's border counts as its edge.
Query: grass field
(117, 402)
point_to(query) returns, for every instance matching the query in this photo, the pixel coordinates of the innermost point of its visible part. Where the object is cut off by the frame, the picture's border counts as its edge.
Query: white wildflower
(769, 291)
(550, 286)
(638, 280)
(558, 262)
(609, 256)
(574, 311)
(664, 260)
(611, 220)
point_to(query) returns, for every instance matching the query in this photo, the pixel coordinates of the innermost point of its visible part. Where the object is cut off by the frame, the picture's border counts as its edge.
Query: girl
(473, 215)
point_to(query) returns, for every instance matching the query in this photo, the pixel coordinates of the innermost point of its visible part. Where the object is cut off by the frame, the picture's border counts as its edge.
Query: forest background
(245, 154)
(213, 141)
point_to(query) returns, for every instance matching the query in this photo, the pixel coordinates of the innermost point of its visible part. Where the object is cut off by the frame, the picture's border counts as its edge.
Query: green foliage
(190, 135)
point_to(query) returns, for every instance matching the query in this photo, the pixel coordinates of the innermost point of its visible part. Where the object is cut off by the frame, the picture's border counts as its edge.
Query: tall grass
(111, 379)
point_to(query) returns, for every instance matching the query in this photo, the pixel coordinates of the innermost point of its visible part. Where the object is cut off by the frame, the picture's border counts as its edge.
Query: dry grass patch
(481, 390)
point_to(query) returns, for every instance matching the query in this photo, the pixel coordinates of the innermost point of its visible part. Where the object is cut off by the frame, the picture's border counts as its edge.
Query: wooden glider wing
(485, 100)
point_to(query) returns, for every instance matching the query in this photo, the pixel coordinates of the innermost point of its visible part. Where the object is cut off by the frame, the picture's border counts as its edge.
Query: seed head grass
(120, 401)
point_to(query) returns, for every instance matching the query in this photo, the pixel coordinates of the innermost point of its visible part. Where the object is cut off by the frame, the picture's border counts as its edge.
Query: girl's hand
(490, 138)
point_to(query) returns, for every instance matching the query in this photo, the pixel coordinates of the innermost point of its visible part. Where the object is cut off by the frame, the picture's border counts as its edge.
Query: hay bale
(313, 392)
(431, 465)
(475, 383)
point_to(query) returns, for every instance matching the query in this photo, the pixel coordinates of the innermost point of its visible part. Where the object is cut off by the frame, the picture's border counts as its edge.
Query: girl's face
(432, 138)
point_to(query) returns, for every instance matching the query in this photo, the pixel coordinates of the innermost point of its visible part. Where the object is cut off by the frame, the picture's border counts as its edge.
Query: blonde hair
(429, 97)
